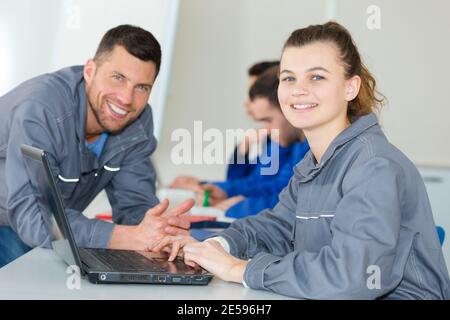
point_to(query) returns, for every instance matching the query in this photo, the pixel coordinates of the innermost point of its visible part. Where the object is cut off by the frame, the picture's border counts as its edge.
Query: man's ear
(89, 70)
(352, 87)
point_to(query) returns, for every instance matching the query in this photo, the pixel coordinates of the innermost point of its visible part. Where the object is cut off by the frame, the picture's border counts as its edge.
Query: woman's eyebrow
(285, 71)
(317, 69)
(307, 70)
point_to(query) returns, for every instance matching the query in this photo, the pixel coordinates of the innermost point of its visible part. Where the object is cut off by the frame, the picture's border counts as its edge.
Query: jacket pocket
(67, 186)
(312, 230)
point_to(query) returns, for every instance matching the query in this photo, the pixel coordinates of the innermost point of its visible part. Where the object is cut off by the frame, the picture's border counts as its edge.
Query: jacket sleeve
(251, 206)
(32, 126)
(365, 240)
(131, 192)
(257, 185)
(250, 235)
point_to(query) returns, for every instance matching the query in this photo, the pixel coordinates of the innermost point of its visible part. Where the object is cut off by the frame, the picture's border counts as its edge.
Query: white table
(41, 274)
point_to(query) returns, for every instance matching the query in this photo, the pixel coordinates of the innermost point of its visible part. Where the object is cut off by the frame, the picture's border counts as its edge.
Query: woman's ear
(352, 87)
(89, 71)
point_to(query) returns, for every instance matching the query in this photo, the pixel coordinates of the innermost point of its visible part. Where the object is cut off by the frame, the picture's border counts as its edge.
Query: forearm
(122, 237)
(238, 270)
(89, 233)
(213, 256)
(254, 234)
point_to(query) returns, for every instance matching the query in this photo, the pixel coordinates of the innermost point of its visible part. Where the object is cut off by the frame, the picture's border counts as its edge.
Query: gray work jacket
(356, 226)
(49, 112)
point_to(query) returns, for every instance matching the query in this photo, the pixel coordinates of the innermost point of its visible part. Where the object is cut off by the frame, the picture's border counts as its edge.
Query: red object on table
(104, 216)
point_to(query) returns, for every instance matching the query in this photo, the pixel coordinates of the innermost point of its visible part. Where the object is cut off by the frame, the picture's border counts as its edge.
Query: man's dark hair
(137, 41)
(266, 86)
(258, 68)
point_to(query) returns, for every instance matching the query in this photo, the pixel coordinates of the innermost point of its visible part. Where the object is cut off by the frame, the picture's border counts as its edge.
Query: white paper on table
(210, 211)
(175, 196)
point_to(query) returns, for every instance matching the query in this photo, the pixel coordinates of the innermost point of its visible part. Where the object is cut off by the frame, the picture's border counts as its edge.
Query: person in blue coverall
(259, 190)
(241, 163)
(354, 221)
(241, 197)
(96, 126)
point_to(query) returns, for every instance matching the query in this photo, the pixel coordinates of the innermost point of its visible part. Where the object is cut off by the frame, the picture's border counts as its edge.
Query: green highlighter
(206, 198)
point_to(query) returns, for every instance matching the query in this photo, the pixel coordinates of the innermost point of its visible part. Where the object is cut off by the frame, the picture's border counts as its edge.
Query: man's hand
(158, 222)
(228, 203)
(185, 182)
(216, 194)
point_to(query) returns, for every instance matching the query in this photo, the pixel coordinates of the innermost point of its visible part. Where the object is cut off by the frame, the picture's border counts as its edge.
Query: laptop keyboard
(121, 260)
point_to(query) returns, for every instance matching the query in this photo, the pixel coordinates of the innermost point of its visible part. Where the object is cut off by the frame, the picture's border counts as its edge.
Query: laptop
(100, 265)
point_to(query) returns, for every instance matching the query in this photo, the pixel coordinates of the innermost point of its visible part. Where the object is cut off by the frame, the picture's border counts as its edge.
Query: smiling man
(96, 125)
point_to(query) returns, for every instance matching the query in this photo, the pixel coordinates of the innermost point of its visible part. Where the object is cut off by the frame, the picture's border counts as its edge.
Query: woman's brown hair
(368, 98)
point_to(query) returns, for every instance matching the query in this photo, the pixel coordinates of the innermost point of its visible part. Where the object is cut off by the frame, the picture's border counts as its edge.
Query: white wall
(410, 57)
(217, 40)
(26, 40)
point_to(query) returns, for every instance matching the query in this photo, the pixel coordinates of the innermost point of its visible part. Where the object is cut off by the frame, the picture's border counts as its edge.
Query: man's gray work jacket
(49, 112)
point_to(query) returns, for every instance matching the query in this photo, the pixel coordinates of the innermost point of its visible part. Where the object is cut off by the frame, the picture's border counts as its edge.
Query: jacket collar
(88, 160)
(308, 169)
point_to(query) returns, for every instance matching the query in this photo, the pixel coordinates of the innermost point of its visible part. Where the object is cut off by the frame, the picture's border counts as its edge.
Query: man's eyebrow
(145, 84)
(139, 84)
(119, 74)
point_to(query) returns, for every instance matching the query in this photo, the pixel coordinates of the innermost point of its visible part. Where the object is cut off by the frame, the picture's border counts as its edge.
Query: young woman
(259, 189)
(235, 169)
(286, 147)
(355, 221)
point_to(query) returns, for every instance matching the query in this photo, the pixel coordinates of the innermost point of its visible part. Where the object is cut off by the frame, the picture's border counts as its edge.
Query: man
(96, 125)
(259, 190)
(240, 165)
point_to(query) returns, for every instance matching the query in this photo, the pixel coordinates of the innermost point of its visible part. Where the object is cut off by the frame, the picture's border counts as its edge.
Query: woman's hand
(173, 245)
(211, 256)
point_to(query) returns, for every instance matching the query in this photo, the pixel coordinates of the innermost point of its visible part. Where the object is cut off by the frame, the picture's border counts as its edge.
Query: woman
(361, 227)
(285, 148)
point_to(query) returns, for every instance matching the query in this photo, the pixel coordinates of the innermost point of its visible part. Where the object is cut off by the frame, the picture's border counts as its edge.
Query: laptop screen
(51, 204)
(53, 213)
